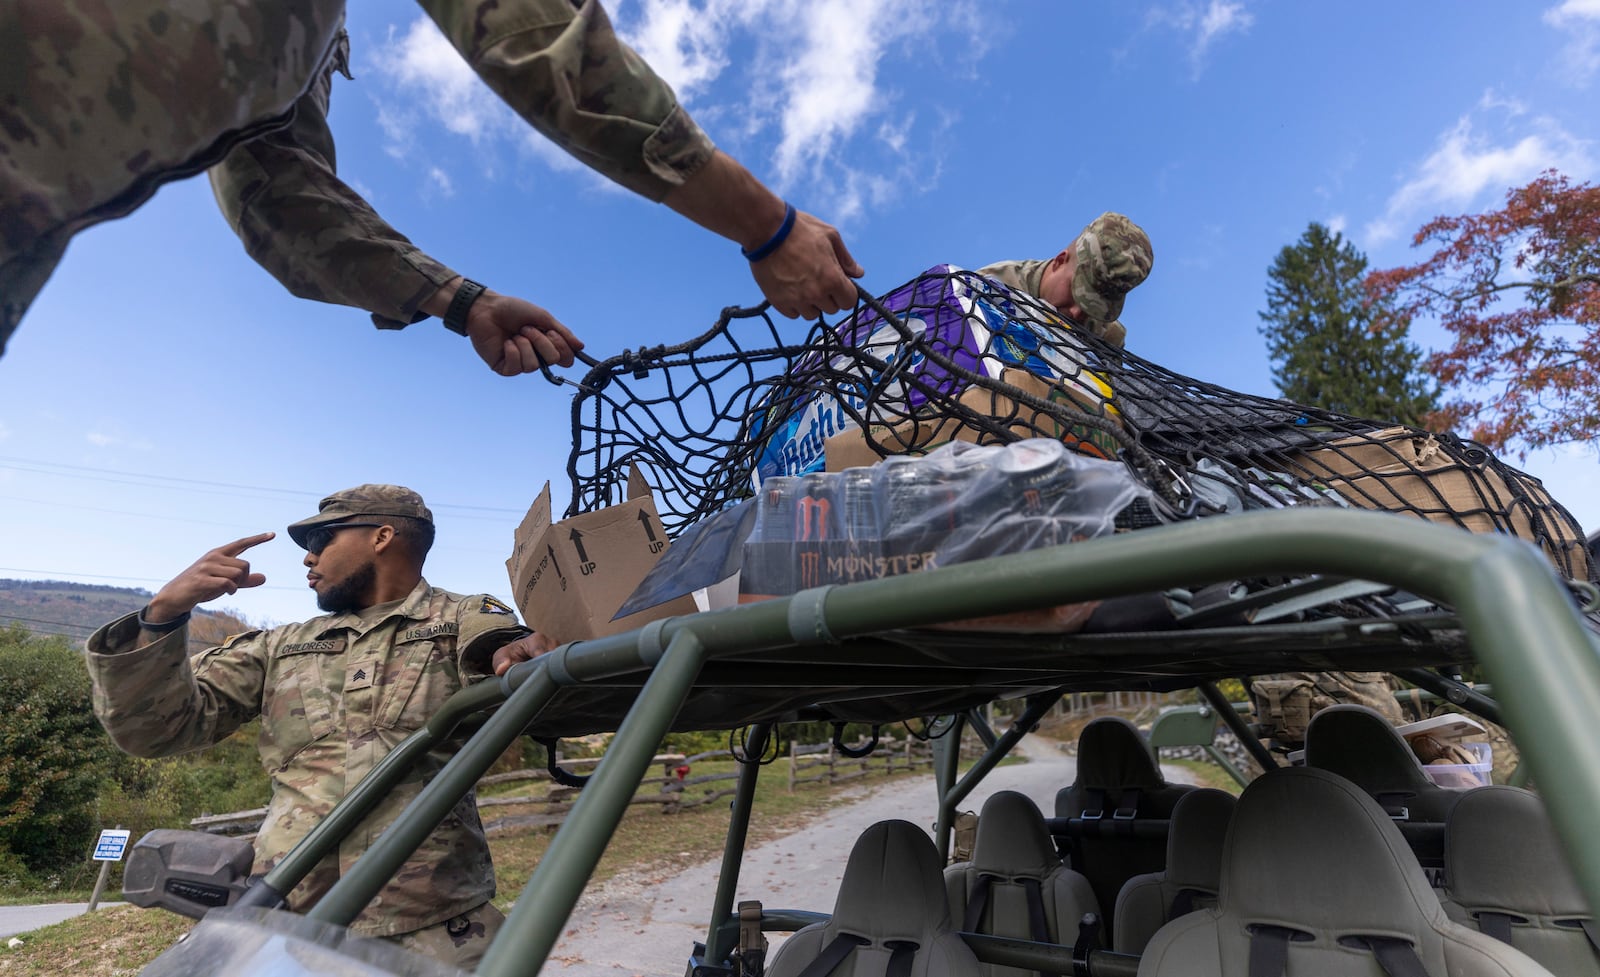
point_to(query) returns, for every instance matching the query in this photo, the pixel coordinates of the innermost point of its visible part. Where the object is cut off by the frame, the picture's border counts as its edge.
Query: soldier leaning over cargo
(106, 102)
(334, 694)
(1089, 279)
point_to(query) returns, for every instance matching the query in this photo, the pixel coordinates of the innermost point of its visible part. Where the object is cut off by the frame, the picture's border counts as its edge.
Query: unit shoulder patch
(492, 606)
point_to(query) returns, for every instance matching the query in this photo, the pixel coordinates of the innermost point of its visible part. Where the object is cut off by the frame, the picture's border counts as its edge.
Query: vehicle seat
(1118, 780)
(891, 916)
(1016, 884)
(1359, 745)
(1316, 879)
(1507, 876)
(1147, 902)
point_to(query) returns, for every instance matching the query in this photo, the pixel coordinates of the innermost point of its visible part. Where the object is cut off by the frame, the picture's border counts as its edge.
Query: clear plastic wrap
(959, 503)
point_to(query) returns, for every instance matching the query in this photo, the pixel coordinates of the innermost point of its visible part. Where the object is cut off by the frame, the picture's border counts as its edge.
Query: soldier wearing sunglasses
(334, 695)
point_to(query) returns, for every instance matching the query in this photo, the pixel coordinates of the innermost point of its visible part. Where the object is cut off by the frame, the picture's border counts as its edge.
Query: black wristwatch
(455, 317)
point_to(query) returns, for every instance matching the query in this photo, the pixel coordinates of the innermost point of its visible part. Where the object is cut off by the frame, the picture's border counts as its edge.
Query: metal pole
(1457, 693)
(324, 838)
(955, 795)
(1240, 730)
(100, 883)
(733, 845)
(456, 780)
(542, 910)
(946, 764)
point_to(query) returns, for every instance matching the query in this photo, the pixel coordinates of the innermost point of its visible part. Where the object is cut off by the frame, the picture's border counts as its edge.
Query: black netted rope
(700, 419)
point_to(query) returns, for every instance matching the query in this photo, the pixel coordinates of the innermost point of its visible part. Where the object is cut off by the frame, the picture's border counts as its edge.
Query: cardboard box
(570, 577)
(851, 448)
(1400, 470)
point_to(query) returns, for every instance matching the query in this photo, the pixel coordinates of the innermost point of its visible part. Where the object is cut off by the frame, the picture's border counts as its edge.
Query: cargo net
(955, 355)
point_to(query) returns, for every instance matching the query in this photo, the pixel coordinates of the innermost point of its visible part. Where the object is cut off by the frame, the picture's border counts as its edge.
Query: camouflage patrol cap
(1114, 255)
(363, 500)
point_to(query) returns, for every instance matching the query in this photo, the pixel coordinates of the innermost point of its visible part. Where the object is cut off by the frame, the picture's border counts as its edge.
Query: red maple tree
(1518, 289)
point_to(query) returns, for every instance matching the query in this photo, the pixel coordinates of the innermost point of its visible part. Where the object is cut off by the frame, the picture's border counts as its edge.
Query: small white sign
(111, 845)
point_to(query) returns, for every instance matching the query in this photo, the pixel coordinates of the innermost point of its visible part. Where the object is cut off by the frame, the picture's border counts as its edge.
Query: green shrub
(53, 755)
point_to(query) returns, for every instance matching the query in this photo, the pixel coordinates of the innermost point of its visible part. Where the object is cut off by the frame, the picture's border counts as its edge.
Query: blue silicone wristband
(756, 254)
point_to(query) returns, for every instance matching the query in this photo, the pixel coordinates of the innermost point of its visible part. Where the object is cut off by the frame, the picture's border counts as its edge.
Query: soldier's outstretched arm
(282, 195)
(800, 262)
(560, 65)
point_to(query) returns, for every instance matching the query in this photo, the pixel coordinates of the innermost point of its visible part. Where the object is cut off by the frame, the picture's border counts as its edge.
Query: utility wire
(189, 484)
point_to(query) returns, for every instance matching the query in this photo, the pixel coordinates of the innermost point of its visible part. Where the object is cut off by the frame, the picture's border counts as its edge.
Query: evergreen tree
(1330, 346)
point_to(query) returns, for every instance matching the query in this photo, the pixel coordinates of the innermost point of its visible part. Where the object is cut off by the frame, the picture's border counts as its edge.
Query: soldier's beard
(346, 594)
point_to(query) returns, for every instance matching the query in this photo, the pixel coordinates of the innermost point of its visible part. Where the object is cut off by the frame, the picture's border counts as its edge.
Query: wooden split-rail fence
(677, 789)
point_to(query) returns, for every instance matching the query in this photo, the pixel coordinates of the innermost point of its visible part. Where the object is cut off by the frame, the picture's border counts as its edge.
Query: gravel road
(644, 923)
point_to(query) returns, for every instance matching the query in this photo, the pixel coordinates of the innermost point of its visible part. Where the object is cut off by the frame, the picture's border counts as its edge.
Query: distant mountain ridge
(75, 610)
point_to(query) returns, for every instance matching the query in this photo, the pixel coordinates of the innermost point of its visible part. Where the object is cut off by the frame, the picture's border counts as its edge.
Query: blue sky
(165, 396)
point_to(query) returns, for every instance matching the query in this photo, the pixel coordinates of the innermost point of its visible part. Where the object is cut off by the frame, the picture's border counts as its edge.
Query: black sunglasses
(318, 537)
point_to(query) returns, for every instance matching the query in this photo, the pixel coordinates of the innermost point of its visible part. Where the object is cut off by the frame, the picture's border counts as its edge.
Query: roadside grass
(119, 941)
(1207, 774)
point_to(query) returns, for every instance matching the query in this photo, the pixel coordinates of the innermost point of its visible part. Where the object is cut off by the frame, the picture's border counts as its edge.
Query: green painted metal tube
(545, 903)
(1440, 688)
(379, 863)
(325, 837)
(1236, 725)
(1046, 957)
(949, 799)
(946, 764)
(733, 845)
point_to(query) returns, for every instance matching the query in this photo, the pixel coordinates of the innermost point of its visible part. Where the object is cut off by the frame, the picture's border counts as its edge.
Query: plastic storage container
(1464, 776)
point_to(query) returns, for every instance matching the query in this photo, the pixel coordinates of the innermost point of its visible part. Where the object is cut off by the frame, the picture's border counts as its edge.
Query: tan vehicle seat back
(1505, 874)
(1118, 780)
(890, 919)
(1016, 884)
(1318, 882)
(1193, 875)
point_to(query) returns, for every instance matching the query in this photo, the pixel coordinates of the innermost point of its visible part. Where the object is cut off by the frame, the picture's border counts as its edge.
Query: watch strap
(455, 317)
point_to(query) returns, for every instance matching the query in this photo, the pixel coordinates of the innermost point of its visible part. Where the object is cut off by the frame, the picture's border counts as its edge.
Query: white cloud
(686, 43)
(797, 85)
(1206, 24)
(1466, 165)
(441, 181)
(1337, 223)
(1579, 20)
(422, 62)
(100, 440)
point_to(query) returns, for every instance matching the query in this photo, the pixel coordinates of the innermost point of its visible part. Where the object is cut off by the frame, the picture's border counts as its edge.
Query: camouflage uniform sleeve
(154, 700)
(280, 193)
(485, 625)
(560, 65)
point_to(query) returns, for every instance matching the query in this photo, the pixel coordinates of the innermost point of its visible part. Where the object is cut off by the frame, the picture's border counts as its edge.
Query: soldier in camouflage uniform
(1090, 278)
(334, 695)
(101, 103)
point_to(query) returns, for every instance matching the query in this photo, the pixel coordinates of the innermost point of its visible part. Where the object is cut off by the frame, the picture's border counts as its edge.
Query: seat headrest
(1358, 744)
(1195, 837)
(1013, 840)
(1309, 850)
(1113, 754)
(1502, 853)
(892, 887)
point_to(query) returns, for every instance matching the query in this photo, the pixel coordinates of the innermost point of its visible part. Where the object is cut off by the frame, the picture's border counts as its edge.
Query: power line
(35, 620)
(120, 512)
(173, 481)
(62, 576)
